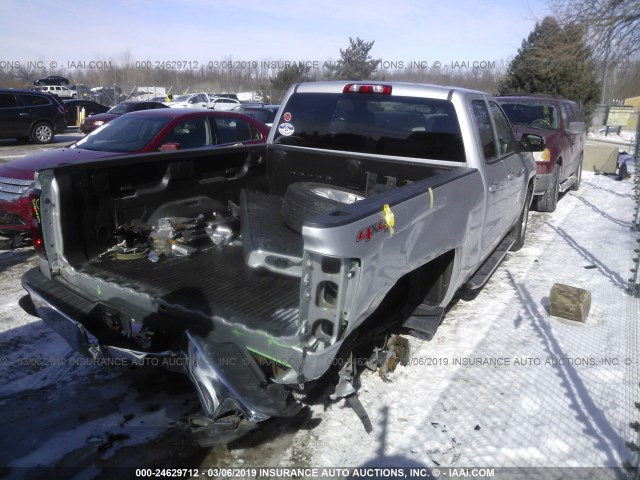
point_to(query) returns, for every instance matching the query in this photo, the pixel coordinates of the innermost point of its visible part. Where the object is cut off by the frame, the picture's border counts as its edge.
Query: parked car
(94, 121)
(138, 132)
(52, 80)
(193, 100)
(59, 91)
(30, 115)
(82, 91)
(560, 123)
(265, 113)
(90, 108)
(223, 103)
(224, 95)
(369, 207)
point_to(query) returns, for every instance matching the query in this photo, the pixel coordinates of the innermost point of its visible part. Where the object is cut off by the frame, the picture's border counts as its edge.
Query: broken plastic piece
(182, 250)
(345, 387)
(354, 402)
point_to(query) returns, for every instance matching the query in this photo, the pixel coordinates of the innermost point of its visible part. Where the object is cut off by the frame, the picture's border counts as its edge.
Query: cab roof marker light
(366, 88)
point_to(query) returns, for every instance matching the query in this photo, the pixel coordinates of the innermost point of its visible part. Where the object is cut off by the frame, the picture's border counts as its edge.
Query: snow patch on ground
(502, 383)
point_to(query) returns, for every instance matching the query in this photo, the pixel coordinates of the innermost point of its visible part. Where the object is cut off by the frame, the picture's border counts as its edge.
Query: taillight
(365, 88)
(36, 223)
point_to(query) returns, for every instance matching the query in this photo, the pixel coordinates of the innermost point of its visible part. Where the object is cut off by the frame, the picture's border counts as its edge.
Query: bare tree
(613, 30)
(24, 74)
(613, 26)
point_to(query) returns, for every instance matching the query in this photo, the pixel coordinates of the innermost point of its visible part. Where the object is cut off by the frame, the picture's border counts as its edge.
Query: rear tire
(520, 230)
(42, 133)
(549, 200)
(576, 185)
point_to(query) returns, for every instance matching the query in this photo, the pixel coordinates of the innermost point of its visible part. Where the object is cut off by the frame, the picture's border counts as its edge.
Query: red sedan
(137, 132)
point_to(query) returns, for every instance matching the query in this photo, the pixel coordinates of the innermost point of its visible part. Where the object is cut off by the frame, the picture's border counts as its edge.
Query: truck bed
(214, 281)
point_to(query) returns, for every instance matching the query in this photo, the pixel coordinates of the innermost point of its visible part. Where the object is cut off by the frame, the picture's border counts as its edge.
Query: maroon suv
(559, 122)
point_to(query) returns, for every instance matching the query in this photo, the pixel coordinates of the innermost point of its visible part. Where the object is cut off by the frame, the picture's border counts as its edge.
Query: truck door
(575, 141)
(513, 163)
(495, 177)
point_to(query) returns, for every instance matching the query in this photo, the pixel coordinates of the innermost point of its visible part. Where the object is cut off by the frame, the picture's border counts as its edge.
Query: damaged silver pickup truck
(255, 269)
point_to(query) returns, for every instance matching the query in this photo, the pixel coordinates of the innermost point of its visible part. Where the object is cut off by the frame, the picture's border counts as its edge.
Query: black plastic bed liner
(214, 282)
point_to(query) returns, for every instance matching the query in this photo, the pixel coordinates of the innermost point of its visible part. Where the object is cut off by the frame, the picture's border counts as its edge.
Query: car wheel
(576, 185)
(307, 199)
(42, 133)
(520, 230)
(548, 201)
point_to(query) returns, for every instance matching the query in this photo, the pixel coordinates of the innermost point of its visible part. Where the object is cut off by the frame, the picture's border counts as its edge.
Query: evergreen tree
(294, 73)
(355, 62)
(555, 60)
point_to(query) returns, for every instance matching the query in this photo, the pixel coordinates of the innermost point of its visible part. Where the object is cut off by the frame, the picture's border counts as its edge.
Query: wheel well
(427, 284)
(42, 120)
(430, 282)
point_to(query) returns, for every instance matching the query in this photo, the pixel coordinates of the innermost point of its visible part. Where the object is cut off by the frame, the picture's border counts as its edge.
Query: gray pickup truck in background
(256, 269)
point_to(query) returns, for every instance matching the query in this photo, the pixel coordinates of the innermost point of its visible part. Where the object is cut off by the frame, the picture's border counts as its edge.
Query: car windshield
(124, 134)
(121, 108)
(373, 124)
(181, 98)
(531, 114)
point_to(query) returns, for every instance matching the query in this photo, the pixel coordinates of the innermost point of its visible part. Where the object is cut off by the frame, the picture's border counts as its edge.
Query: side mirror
(169, 147)
(532, 143)
(577, 128)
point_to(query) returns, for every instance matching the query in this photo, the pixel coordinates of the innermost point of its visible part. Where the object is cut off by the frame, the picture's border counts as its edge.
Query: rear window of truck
(373, 124)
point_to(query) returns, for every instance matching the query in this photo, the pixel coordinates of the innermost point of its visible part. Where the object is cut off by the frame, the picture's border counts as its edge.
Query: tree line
(589, 52)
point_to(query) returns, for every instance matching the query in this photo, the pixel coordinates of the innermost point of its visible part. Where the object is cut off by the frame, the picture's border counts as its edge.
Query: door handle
(493, 187)
(23, 114)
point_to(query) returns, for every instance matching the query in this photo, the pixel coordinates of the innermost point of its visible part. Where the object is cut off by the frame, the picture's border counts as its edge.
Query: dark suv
(52, 80)
(560, 123)
(29, 115)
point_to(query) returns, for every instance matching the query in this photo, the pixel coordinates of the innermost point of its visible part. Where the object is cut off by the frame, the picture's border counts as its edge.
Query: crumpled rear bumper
(228, 381)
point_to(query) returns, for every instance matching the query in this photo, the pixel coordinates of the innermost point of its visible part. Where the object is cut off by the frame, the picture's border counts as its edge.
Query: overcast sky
(254, 30)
